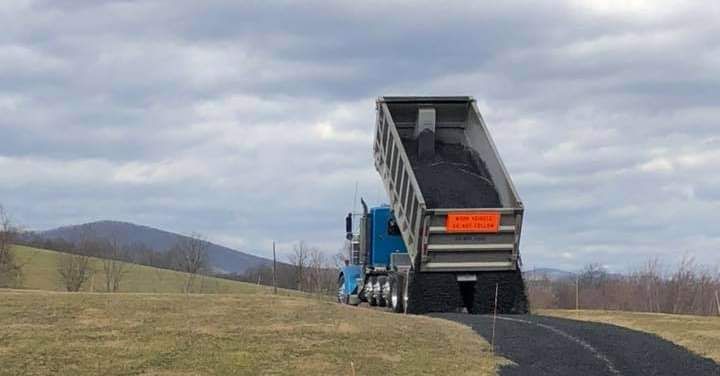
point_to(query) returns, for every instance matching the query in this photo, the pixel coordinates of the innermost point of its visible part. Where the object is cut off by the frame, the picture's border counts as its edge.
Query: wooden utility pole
(274, 270)
(577, 294)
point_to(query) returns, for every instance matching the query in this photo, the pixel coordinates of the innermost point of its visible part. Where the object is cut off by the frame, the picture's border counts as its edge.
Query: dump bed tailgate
(484, 245)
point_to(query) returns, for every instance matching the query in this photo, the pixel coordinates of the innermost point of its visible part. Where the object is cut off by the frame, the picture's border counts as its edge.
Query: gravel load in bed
(455, 177)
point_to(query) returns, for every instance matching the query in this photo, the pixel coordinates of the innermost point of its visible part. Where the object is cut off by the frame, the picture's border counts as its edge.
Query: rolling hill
(548, 273)
(39, 273)
(221, 259)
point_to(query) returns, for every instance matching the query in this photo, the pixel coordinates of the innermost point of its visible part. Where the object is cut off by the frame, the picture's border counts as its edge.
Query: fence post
(274, 270)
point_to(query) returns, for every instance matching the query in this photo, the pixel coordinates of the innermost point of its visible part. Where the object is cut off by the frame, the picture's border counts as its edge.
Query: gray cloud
(252, 121)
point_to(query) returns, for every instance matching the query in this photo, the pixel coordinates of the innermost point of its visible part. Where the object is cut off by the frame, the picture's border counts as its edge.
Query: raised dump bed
(453, 200)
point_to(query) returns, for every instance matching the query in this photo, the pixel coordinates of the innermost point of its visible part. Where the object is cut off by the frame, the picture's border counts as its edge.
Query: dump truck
(448, 241)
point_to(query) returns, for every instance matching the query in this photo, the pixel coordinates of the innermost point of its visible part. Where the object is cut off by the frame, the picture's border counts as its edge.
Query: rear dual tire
(371, 294)
(397, 288)
(382, 286)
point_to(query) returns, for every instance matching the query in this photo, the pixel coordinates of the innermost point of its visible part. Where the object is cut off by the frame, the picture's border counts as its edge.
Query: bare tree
(689, 289)
(10, 269)
(113, 269)
(190, 253)
(339, 260)
(299, 260)
(322, 272)
(540, 289)
(316, 266)
(74, 271)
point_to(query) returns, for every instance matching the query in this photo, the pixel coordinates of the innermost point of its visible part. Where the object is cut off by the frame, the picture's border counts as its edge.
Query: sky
(252, 121)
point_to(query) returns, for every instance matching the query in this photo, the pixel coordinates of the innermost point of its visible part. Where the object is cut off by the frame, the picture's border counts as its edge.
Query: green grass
(228, 328)
(40, 273)
(247, 334)
(699, 334)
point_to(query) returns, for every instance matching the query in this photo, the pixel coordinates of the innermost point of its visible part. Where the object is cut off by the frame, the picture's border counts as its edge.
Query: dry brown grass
(699, 334)
(253, 333)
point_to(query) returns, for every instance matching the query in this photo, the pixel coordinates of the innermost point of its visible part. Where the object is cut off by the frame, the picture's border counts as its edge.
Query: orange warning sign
(473, 222)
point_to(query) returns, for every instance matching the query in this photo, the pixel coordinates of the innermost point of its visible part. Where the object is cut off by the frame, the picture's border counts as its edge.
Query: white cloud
(224, 117)
(637, 9)
(657, 165)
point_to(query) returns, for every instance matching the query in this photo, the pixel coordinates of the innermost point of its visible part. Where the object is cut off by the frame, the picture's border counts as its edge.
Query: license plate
(483, 222)
(466, 277)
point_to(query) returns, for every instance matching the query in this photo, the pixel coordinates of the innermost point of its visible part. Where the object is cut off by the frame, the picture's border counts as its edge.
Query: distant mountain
(549, 273)
(221, 259)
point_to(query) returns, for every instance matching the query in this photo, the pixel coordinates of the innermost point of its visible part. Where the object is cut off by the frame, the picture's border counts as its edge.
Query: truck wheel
(366, 291)
(371, 294)
(386, 291)
(396, 293)
(381, 291)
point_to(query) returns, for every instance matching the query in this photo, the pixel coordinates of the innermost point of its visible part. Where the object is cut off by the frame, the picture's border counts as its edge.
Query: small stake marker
(494, 317)
(577, 296)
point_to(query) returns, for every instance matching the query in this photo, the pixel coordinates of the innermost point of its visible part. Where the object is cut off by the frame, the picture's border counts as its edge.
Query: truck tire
(397, 287)
(381, 301)
(371, 294)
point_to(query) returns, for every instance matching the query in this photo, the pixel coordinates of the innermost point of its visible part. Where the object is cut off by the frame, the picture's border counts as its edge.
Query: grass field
(40, 274)
(229, 328)
(247, 334)
(699, 334)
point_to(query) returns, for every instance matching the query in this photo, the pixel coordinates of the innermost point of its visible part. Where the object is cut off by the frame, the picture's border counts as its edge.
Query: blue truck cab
(371, 247)
(385, 238)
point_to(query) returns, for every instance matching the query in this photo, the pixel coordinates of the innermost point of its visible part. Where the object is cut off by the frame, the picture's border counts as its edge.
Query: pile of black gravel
(433, 292)
(455, 177)
(440, 292)
(511, 293)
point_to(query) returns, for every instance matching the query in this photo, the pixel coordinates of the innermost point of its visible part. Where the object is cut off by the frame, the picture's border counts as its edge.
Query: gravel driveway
(551, 346)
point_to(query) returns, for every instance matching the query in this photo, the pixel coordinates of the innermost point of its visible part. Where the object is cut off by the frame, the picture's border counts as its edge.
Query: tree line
(306, 268)
(688, 288)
